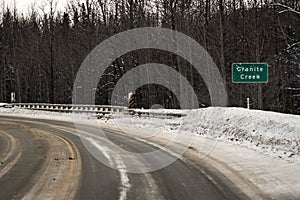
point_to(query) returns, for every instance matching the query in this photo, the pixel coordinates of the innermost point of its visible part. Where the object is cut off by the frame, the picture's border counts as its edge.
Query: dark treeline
(41, 53)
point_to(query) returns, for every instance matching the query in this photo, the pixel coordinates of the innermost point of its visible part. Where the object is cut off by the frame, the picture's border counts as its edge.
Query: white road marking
(152, 192)
(125, 184)
(212, 180)
(102, 149)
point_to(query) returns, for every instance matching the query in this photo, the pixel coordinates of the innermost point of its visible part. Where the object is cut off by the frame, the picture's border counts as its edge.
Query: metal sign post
(248, 103)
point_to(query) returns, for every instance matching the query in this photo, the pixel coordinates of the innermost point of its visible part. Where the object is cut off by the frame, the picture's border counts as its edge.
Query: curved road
(84, 177)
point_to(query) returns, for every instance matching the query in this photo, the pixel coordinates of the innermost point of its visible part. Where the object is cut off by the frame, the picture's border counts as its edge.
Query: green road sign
(250, 72)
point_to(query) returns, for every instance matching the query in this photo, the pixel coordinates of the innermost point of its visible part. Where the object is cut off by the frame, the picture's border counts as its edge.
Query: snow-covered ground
(249, 146)
(267, 131)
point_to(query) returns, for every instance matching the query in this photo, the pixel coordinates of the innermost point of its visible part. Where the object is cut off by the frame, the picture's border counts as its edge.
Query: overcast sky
(25, 6)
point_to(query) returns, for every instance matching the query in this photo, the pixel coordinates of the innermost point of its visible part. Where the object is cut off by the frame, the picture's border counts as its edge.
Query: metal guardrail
(149, 114)
(69, 107)
(99, 110)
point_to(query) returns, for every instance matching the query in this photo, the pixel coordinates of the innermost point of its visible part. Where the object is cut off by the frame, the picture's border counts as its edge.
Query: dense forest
(40, 53)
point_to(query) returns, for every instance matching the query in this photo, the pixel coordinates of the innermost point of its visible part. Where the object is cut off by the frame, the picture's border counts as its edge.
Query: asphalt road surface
(45, 159)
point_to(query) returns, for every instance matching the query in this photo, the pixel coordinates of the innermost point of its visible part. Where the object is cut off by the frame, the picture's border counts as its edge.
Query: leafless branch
(287, 8)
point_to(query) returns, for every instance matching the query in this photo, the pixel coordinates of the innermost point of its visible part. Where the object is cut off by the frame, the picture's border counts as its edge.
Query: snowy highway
(52, 156)
(149, 100)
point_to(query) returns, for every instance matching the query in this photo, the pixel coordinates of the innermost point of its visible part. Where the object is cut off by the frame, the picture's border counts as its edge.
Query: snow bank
(263, 129)
(269, 131)
(2, 104)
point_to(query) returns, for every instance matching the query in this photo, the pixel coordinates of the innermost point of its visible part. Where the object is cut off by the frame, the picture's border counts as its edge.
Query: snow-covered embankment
(259, 129)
